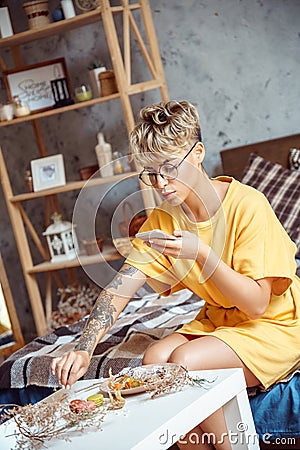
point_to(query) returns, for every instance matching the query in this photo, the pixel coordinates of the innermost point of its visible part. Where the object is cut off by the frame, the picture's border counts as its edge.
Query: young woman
(228, 248)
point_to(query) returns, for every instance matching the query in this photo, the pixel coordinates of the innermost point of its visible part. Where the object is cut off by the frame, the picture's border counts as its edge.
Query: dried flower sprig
(163, 379)
(201, 382)
(167, 380)
(74, 303)
(172, 379)
(38, 423)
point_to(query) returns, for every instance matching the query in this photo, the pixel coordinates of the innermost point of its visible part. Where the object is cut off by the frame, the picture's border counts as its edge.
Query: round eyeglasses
(167, 171)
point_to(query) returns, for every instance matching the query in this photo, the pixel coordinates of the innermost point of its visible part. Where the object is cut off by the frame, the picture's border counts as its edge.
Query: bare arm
(110, 303)
(251, 296)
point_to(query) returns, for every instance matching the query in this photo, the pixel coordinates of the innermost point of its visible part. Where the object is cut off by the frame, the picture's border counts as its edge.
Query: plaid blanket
(146, 319)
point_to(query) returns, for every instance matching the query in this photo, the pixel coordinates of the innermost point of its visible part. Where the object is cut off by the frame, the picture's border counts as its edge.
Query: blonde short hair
(164, 129)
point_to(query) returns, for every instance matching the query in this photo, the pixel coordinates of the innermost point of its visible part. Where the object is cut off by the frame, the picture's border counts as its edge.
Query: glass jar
(21, 107)
(83, 93)
(118, 165)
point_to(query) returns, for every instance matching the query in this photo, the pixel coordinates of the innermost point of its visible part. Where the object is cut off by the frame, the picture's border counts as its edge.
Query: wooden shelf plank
(109, 253)
(53, 28)
(62, 26)
(71, 186)
(63, 109)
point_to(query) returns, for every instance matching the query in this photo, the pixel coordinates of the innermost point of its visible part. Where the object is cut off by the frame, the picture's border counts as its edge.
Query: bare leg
(194, 440)
(211, 434)
(202, 353)
(160, 352)
(206, 352)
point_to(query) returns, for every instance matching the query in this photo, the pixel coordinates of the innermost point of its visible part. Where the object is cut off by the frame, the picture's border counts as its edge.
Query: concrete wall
(237, 61)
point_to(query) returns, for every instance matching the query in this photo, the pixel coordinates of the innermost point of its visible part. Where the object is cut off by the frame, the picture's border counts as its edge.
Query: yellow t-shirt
(246, 234)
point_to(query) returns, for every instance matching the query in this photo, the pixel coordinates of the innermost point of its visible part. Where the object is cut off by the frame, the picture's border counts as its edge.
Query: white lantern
(61, 239)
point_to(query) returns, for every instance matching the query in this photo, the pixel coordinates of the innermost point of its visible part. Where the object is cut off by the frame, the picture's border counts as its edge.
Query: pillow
(281, 187)
(294, 158)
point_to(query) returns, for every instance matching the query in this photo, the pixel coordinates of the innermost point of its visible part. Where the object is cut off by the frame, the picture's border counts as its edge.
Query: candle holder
(61, 239)
(61, 92)
(83, 93)
(21, 107)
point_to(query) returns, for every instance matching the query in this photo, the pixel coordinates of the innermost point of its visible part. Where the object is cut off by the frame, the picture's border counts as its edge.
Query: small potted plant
(95, 68)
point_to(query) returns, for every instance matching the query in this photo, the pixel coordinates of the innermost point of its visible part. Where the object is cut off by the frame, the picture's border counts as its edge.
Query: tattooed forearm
(128, 270)
(101, 318)
(118, 280)
(104, 312)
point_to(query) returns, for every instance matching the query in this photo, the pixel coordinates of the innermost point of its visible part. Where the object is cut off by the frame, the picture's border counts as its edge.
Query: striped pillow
(281, 187)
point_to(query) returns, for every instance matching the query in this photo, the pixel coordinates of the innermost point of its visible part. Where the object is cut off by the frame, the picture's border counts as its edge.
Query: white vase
(68, 9)
(95, 82)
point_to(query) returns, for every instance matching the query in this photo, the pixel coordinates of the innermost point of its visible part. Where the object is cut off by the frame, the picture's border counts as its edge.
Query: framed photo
(48, 172)
(33, 83)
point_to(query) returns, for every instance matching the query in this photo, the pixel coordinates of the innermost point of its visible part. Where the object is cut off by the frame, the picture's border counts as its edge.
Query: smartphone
(154, 234)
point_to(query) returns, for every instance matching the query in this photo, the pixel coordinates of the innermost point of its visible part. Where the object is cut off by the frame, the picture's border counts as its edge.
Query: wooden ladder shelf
(120, 50)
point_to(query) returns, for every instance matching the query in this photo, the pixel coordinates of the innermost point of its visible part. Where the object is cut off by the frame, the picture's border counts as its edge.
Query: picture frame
(32, 84)
(48, 172)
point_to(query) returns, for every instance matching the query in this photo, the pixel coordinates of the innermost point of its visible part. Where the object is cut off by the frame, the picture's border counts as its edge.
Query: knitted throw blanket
(146, 319)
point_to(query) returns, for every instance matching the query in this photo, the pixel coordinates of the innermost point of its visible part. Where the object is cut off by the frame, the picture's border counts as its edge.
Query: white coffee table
(146, 424)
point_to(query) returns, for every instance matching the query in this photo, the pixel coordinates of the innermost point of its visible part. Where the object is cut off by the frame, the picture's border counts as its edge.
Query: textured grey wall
(238, 61)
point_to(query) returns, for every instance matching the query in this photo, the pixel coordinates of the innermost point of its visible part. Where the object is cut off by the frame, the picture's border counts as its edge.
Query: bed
(26, 377)
(265, 165)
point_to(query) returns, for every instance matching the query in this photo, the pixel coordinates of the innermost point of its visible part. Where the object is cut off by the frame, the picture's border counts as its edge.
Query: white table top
(145, 423)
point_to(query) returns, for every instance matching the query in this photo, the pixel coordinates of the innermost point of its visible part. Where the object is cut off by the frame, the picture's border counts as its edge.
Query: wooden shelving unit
(41, 303)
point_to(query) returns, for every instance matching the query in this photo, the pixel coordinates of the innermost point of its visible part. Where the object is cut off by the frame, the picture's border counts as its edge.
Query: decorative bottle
(118, 165)
(104, 157)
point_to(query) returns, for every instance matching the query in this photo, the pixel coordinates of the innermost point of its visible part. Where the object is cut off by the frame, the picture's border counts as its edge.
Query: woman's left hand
(187, 245)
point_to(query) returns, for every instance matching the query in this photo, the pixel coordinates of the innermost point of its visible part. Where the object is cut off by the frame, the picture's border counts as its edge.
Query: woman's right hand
(70, 367)
(110, 303)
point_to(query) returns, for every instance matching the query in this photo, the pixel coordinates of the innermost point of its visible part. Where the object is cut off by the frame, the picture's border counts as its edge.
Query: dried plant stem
(38, 423)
